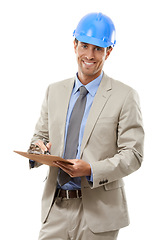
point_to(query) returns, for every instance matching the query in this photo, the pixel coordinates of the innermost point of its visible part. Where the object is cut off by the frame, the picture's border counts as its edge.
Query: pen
(46, 152)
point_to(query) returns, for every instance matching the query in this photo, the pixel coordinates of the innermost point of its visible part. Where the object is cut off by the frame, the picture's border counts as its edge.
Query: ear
(75, 46)
(108, 52)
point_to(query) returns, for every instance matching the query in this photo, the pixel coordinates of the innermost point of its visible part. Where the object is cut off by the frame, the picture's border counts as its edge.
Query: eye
(84, 46)
(98, 48)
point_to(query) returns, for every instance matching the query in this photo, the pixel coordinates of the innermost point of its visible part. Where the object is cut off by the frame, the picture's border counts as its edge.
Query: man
(95, 122)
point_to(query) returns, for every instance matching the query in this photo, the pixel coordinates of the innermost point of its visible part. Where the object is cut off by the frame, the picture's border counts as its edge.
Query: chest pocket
(105, 130)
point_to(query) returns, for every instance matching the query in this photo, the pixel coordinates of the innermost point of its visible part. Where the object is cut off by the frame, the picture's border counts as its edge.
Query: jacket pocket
(114, 185)
(107, 120)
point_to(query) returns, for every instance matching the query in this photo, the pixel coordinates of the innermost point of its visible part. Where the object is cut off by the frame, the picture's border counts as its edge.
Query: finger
(65, 170)
(69, 170)
(60, 165)
(41, 145)
(64, 167)
(54, 164)
(48, 145)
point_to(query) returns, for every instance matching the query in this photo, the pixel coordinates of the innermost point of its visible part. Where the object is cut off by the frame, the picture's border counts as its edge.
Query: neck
(85, 79)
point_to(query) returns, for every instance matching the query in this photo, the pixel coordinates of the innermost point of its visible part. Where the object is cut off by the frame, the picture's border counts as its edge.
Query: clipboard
(43, 158)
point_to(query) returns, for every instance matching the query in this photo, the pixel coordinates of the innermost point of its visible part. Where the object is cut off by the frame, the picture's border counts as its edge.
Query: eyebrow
(84, 43)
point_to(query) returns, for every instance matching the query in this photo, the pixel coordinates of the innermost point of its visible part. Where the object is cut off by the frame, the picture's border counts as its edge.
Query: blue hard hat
(97, 29)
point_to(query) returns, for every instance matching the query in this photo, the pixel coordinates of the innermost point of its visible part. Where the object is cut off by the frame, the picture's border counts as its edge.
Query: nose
(89, 54)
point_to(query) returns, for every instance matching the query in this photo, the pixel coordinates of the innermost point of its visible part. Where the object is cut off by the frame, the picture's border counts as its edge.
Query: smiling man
(95, 122)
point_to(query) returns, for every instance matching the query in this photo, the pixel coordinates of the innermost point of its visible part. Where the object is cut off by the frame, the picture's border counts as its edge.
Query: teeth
(88, 63)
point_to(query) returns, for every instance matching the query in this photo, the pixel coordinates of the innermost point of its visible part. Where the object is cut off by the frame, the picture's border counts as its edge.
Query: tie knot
(83, 91)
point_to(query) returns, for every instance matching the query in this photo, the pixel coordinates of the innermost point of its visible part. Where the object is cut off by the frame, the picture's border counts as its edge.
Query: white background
(36, 49)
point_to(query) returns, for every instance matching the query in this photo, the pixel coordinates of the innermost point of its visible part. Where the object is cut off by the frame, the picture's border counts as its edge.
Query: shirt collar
(91, 87)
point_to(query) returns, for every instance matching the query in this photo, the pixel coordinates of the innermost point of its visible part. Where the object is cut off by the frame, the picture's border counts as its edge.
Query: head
(94, 41)
(90, 59)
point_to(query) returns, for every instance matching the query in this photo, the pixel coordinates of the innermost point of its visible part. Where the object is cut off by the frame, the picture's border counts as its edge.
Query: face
(90, 59)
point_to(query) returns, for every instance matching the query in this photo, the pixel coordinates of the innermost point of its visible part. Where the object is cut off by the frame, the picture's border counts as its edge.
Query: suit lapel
(101, 97)
(65, 95)
(67, 90)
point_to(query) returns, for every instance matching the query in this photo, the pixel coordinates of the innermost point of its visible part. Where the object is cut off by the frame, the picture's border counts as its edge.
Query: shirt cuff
(32, 163)
(90, 178)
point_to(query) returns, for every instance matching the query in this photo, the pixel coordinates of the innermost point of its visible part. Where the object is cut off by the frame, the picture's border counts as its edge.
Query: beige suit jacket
(112, 144)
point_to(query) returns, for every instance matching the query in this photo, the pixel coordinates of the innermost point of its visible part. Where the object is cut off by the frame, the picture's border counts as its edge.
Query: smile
(88, 63)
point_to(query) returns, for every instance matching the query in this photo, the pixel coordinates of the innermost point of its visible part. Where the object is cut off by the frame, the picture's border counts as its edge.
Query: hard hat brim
(93, 41)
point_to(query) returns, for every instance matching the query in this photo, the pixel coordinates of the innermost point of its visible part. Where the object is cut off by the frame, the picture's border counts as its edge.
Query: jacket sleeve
(41, 129)
(130, 138)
